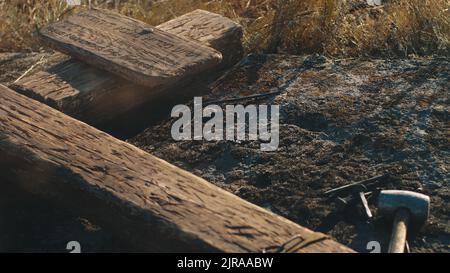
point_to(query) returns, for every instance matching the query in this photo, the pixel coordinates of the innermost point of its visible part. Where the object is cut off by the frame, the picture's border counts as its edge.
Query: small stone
(147, 30)
(421, 132)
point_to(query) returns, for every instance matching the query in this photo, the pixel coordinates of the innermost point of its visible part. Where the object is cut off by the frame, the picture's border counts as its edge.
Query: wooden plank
(95, 96)
(210, 29)
(129, 48)
(145, 200)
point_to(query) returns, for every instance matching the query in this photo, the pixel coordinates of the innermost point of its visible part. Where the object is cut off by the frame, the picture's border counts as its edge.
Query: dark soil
(32, 224)
(341, 121)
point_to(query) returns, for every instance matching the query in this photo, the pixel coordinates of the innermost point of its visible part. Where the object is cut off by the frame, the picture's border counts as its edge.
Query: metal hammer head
(389, 201)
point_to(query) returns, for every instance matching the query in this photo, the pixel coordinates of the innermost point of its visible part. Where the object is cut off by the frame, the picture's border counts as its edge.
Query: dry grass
(18, 21)
(335, 28)
(348, 28)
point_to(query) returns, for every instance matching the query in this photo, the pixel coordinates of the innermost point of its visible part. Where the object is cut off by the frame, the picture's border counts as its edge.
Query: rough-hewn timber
(152, 203)
(210, 29)
(129, 48)
(93, 95)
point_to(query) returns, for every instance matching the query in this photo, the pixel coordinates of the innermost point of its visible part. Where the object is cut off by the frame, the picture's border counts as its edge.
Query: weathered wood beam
(129, 48)
(210, 29)
(153, 204)
(95, 96)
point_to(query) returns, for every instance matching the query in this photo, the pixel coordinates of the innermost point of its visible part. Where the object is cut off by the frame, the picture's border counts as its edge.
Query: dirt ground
(341, 121)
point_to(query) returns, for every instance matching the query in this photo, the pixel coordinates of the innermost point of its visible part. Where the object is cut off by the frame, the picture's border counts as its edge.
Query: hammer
(406, 207)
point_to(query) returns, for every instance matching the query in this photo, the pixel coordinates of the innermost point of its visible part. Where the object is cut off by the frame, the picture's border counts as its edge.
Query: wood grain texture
(210, 29)
(129, 48)
(94, 95)
(152, 203)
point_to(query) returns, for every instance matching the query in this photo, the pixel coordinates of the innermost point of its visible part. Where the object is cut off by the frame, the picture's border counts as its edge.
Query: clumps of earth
(341, 121)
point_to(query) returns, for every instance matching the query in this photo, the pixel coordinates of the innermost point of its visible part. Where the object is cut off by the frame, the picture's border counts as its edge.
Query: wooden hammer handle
(399, 231)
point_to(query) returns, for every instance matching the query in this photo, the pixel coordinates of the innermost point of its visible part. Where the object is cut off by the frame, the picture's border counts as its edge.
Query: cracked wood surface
(129, 48)
(151, 203)
(94, 95)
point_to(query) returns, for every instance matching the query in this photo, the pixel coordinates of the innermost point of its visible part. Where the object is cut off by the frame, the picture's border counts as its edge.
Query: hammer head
(389, 201)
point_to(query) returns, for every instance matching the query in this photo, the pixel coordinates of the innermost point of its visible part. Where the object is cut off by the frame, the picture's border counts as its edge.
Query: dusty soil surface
(342, 121)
